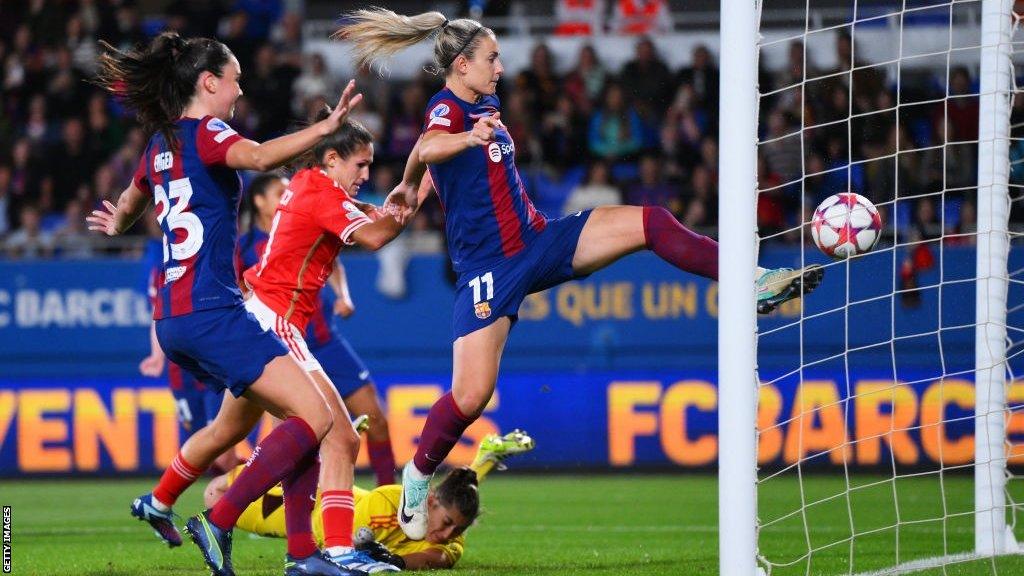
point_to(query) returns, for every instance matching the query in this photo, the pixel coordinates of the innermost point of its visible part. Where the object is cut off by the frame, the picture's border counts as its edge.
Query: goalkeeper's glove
(380, 553)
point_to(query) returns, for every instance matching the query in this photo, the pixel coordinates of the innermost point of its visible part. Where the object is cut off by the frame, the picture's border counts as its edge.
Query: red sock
(678, 245)
(443, 428)
(274, 459)
(382, 460)
(299, 498)
(337, 507)
(176, 479)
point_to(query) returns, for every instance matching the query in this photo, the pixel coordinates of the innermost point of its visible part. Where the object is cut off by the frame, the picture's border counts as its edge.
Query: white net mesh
(867, 399)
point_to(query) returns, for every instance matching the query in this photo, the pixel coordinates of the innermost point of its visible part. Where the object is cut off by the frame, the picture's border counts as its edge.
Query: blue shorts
(485, 294)
(341, 364)
(195, 403)
(224, 348)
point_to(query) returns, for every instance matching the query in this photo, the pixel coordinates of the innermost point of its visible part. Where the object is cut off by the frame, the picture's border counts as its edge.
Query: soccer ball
(846, 225)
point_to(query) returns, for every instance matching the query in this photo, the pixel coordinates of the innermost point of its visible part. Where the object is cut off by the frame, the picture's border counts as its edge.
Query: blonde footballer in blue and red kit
(501, 247)
(184, 91)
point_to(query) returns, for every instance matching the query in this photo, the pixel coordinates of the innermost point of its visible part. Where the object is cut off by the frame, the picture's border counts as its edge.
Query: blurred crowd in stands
(642, 134)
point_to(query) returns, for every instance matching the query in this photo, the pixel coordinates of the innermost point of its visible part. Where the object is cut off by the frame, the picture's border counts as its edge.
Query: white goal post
(740, 524)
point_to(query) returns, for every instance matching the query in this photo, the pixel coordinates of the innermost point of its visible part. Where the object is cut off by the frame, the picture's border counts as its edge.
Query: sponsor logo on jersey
(174, 272)
(482, 310)
(437, 116)
(163, 161)
(494, 152)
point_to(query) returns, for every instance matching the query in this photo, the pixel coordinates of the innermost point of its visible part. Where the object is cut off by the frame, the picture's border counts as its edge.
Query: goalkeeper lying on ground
(452, 506)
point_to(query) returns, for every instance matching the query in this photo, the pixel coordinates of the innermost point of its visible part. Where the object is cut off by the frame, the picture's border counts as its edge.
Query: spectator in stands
(38, 128)
(233, 32)
(616, 131)
(967, 224)
(650, 83)
(702, 76)
(539, 83)
(75, 160)
(287, 39)
(700, 199)
(66, 88)
(651, 188)
(24, 175)
(772, 203)
(585, 83)
(313, 82)
(104, 186)
(269, 89)
(782, 146)
(597, 190)
(563, 134)
(684, 129)
(82, 47)
(960, 113)
(29, 241)
(104, 136)
(72, 239)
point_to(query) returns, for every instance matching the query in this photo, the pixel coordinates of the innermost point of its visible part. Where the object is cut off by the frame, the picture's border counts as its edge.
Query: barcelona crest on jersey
(483, 310)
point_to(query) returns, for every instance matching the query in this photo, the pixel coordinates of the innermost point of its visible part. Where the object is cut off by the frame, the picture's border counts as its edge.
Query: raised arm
(437, 146)
(249, 155)
(117, 219)
(378, 233)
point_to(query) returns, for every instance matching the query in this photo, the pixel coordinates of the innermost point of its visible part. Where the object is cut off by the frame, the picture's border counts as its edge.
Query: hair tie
(445, 24)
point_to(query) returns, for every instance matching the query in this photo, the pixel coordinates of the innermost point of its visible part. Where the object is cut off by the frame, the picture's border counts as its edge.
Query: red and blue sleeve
(213, 139)
(446, 116)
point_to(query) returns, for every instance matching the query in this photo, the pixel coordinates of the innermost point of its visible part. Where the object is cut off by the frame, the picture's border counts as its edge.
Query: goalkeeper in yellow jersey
(452, 506)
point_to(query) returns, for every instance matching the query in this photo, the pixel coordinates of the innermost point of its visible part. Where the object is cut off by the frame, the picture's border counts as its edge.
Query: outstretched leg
(476, 359)
(612, 232)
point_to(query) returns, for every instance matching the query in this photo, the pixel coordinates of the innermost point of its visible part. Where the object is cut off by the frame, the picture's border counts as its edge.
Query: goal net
(890, 403)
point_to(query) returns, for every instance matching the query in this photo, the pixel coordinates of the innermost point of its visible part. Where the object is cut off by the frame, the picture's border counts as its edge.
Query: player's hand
(104, 220)
(344, 307)
(397, 203)
(346, 103)
(152, 366)
(484, 130)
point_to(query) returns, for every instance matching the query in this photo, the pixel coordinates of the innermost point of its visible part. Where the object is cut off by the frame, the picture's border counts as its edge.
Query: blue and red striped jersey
(320, 329)
(488, 214)
(196, 198)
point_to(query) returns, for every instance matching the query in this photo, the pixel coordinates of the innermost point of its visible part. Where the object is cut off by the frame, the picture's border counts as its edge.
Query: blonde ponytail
(379, 33)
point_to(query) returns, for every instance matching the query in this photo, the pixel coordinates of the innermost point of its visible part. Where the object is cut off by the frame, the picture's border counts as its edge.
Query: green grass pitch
(546, 525)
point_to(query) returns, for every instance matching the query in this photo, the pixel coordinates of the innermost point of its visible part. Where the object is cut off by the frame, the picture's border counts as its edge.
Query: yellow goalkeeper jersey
(375, 510)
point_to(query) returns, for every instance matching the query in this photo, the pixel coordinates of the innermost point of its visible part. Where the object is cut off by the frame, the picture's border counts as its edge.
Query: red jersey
(314, 219)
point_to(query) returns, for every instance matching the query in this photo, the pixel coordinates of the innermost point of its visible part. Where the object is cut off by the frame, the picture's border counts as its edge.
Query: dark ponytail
(159, 80)
(460, 489)
(345, 141)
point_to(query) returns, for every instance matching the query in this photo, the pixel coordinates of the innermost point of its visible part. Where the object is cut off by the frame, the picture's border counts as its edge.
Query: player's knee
(225, 433)
(342, 442)
(320, 420)
(471, 403)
